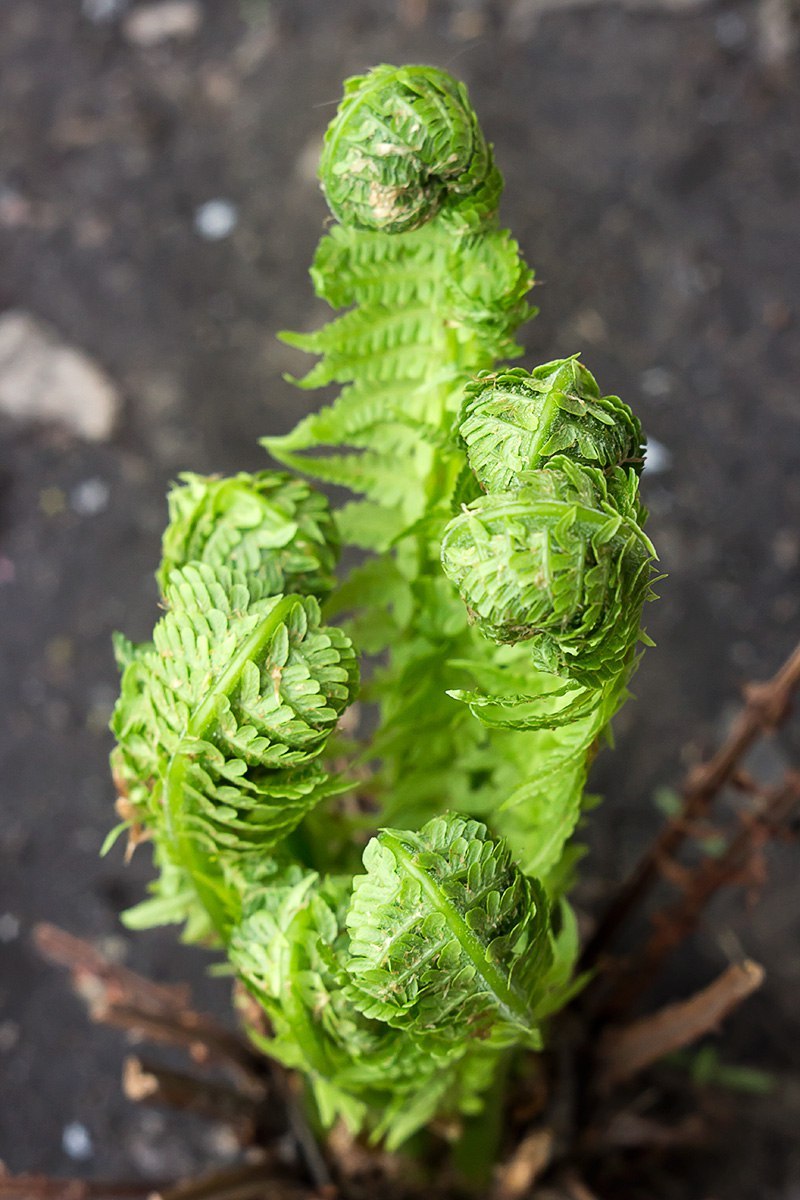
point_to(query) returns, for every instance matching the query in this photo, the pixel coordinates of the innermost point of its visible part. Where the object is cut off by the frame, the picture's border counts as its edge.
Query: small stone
(656, 382)
(776, 33)
(9, 1036)
(590, 326)
(102, 11)
(76, 1141)
(658, 458)
(216, 219)
(150, 24)
(90, 497)
(15, 209)
(43, 378)
(730, 30)
(52, 502)
(223, 1142)
(9, 928)
(786, 549)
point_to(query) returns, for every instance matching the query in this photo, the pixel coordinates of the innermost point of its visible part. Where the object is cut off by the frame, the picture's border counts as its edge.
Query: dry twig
(151, 1083)
(767, 705)
(739, 864)
(515, 1179)
(43, 1187)
(119, 997)
(625, 1051)
(251, 1181)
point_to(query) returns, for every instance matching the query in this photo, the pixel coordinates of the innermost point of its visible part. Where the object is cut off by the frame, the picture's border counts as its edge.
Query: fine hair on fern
(389, 878)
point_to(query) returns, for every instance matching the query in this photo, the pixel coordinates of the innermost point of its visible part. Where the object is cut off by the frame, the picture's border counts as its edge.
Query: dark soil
(652, 162)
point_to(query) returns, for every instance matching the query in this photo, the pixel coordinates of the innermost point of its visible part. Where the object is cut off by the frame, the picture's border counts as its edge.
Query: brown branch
(94, 974)
(767, 705)
(516, 1177)
(574, 1188)
(148, 1083)
(45, 1187)
(739, 864)
(251, 1181)
(625, 1051)
(119, 997)
(631, 1131)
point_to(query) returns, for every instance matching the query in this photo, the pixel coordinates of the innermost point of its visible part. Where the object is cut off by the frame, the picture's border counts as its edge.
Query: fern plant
(388, 877)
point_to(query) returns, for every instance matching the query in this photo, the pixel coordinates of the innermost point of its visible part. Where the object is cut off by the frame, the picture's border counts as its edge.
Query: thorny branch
(740, 863)
(766, 707)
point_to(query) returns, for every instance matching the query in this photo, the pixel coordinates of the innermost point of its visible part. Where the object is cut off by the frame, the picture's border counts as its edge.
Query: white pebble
(101, 11)
(9, 927)
(150, 24)
(9, 1036)
(43, 378)
(730, 29)
(216, 219)
(76, 1141)
(658, 458)
(90, 497)
(656, 382)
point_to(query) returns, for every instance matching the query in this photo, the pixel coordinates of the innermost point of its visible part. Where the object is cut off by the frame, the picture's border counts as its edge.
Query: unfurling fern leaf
(448, 938)
(562, 561)
(272, 527)
(222, 718)
(439, 292)
(404, 146)
(501, 610)
(403, 1003)
(515, 421)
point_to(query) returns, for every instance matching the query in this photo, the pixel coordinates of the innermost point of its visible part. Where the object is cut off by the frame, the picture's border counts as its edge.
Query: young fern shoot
(496, 613)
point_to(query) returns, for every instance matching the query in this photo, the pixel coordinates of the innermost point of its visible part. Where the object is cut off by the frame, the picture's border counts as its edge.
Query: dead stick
(575, 1188)
(83, 959)
(625, 1051)
(515, 1179)
(149, 1083)
(679, 920)
(45, 1187)
(766, 707)
(119, 997)
(251, 1181)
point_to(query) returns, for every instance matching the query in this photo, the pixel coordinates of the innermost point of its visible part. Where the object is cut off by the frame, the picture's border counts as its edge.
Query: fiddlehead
(561, 561)
(437, 290)
(396, 1003)
(270, 526)
(405, 146)
(514, 421)
(447, 934)
(222, 718)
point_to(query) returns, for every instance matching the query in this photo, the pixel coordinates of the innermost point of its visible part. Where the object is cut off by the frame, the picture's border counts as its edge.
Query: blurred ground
(158, 210)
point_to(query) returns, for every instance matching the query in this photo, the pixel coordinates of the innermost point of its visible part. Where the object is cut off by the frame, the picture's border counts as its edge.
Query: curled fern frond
(401, 992)
(562, 561)
(221, 718)
(291, 949)
(406, 144)
(448, 938)
(271, 526)
(515, 421)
